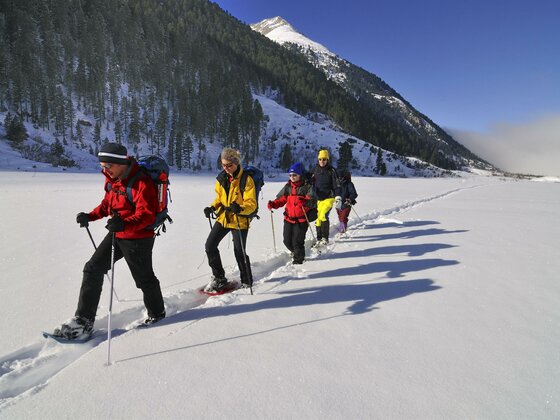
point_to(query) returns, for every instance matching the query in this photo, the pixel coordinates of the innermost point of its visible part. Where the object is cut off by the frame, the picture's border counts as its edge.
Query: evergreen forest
(172, 73)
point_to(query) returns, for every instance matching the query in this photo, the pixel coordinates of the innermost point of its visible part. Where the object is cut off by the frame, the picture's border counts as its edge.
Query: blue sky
(473, 67)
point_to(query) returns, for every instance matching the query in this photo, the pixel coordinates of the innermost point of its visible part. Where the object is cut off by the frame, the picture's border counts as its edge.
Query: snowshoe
(229, 287)
(216, 285)
(63, 340)
(78, 328)
(151, 320)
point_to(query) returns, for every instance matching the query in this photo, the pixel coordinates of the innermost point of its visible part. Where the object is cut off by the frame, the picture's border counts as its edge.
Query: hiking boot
(217, 284)
(153, 319)
(320, 243)
(77, 328)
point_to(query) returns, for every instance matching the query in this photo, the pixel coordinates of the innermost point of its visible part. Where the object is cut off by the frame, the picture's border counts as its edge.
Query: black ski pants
(294, 239)
(138, 255)
(216, 235)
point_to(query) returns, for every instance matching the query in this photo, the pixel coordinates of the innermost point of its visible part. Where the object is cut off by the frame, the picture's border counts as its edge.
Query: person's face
(114, 170)
(323, 161)
(229, 167)
(295, 177)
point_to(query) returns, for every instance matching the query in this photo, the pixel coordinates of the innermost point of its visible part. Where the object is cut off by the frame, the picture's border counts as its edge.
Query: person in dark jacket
(231, 207)
(133, 240)
(327, 190)
(298, 197)
(348, 197)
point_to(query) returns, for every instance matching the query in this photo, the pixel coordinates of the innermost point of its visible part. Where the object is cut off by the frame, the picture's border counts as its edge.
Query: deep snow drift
(440, 302)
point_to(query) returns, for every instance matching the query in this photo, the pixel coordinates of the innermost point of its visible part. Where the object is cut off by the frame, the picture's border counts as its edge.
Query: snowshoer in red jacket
(134, 240)
(298, 197)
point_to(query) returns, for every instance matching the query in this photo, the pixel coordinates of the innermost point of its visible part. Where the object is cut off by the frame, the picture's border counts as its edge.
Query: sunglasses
(105, 165)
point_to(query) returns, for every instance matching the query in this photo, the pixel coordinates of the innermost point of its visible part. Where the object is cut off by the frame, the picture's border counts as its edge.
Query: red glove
(269, 205)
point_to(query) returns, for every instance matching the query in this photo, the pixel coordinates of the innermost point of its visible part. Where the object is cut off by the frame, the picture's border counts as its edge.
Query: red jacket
(298, 197)
(136, 216)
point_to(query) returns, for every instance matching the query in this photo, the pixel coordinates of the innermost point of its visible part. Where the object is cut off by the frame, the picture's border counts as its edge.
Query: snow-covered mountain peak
(361, 84)
(279, 30)
(267, 25)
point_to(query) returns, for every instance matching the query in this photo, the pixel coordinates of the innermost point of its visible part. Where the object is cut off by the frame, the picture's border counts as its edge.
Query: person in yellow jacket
(231, 208)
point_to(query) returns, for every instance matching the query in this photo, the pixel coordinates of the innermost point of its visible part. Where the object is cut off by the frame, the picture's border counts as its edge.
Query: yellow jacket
(227, 193)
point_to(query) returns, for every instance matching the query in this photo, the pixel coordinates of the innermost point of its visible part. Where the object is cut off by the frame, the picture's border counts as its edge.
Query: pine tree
(79, 134)
(15, 129)
(134, 125)
(118, 132)
(187, 152)
(380, 167)
(97, 133)
(345, 156)
(286, 158)
(161, 129)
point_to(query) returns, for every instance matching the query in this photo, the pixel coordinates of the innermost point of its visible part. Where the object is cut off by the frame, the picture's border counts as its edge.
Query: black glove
(115, 224)
(208, 211)
(236, 208)
(83, 219)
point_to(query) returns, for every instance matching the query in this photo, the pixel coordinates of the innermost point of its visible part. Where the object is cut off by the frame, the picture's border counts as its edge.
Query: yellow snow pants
(323, 207)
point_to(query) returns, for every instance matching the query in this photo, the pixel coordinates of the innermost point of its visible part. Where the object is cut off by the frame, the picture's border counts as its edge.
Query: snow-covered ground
(440, 302)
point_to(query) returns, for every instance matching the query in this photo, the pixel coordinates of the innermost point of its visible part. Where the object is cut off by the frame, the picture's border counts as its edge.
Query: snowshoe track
(28, 369)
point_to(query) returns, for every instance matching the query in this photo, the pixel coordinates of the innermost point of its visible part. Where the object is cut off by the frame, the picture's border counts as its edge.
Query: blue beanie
(296, 168)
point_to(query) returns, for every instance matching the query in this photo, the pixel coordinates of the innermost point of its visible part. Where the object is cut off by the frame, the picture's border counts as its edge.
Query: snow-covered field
(442, 301)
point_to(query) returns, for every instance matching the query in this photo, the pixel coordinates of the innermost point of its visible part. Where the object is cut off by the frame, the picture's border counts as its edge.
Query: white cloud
(531, 148)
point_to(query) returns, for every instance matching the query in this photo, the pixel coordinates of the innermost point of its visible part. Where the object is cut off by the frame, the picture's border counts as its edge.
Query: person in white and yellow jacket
(231, 208)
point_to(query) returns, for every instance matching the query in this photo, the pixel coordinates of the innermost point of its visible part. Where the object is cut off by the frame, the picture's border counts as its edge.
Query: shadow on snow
(363, 298)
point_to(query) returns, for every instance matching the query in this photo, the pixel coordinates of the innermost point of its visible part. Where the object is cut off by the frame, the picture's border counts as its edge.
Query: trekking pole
(359, 218)
(273, 235)
(247, 266)
(310, 228)
(111, 300)
(95, 247)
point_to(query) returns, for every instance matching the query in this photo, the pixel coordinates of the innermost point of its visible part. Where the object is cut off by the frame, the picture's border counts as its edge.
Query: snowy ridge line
(27, 370)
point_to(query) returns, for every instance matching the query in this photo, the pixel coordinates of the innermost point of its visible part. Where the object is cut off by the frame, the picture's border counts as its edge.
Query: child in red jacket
(298, 197)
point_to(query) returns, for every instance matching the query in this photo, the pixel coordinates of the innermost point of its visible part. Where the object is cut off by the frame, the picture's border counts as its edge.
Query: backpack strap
(243, 182)
(129, 185)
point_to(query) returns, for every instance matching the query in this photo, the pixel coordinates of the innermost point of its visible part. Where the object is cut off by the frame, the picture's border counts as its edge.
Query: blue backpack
(157, 170)
(258, 179)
